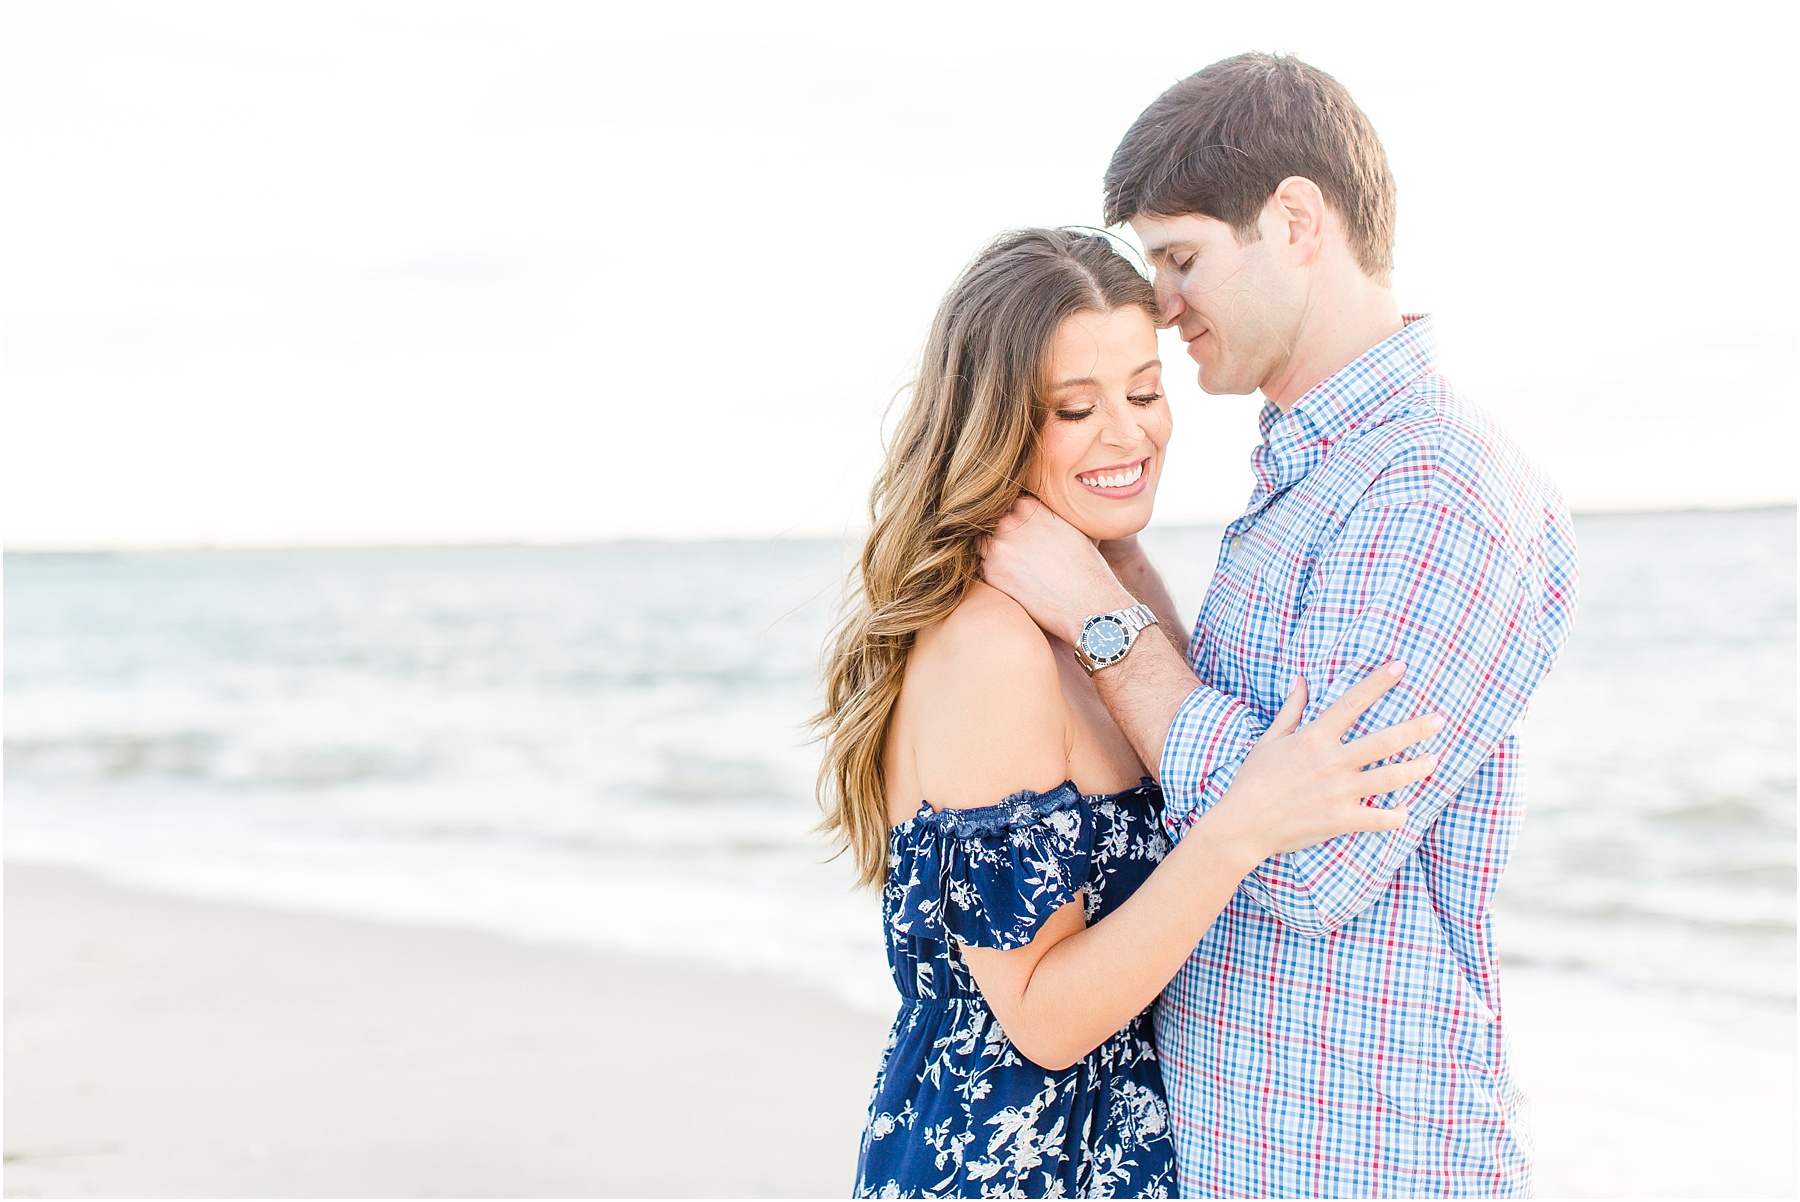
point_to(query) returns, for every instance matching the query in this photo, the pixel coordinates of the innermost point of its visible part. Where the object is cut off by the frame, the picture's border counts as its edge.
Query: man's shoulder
(1438, 454)
(1431, 445)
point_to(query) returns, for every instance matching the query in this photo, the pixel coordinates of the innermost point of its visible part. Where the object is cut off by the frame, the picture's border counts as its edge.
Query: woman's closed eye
(1143, 400)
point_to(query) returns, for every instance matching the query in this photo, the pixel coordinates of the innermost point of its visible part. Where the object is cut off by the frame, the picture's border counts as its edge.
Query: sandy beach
(160, 1047)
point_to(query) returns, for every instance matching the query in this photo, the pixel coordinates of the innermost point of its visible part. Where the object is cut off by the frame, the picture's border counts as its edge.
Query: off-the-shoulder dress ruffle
(957, 1111)
(991, 876)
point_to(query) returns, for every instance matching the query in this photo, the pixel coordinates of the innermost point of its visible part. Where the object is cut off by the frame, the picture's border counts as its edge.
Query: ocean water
(607, 746)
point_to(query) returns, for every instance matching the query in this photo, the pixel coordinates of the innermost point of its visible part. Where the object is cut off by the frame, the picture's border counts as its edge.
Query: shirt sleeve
(1418, 582)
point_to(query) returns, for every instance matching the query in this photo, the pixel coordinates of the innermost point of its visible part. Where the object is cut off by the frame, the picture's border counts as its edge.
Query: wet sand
(162, 1047)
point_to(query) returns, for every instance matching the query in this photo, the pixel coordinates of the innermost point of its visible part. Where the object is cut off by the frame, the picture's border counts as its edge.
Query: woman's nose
(1124, 430)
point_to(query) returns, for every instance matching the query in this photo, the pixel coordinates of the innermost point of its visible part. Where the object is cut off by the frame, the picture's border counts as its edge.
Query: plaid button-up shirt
(1337, 1032)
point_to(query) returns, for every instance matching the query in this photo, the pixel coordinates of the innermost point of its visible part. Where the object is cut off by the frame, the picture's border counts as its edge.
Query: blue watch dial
(1104, 639)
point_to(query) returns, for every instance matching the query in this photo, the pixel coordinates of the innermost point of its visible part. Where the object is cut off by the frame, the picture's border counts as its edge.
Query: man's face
(1237, 307)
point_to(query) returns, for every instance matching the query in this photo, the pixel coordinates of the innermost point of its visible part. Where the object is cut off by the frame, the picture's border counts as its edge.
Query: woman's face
(1100, 452)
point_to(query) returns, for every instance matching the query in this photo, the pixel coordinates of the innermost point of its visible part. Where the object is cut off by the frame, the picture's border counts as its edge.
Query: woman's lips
(1119, 481)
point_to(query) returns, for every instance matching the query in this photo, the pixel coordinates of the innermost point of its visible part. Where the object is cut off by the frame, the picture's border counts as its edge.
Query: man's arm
(1416, 582)
(1133, 569)
(1426, 585)
(1060, 578)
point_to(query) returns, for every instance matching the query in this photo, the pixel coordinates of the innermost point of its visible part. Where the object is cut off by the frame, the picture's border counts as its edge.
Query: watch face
(1104, 639)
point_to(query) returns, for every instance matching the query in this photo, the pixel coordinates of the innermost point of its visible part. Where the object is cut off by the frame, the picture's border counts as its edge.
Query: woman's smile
(1118, 481)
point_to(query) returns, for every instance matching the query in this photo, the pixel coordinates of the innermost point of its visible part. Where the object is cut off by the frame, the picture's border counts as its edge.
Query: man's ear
(1297, 210)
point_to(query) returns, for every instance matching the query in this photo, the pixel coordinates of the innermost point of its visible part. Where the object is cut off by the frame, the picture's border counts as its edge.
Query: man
(1338, 1032)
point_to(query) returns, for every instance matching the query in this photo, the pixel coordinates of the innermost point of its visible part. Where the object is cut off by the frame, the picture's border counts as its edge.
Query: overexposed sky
(309, 273)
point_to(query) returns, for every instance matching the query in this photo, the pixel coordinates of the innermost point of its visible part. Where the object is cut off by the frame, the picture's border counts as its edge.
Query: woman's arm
(1072, 987)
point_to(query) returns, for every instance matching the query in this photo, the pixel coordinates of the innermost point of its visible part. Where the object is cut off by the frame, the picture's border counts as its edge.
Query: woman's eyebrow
(1085, 381)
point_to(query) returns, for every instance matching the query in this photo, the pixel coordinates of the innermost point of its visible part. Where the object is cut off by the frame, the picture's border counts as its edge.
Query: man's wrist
(1099, 602)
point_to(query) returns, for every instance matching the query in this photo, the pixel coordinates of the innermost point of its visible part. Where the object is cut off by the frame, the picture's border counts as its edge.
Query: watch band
(1131, 622)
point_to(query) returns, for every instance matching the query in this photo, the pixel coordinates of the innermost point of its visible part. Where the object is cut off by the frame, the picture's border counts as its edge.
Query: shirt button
(1237, 540)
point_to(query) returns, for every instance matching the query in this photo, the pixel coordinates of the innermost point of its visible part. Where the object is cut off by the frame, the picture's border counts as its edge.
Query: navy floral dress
(957, 1111)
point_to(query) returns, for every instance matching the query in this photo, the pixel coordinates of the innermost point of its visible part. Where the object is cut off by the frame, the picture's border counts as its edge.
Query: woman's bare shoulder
(985, 706)
(991, 626)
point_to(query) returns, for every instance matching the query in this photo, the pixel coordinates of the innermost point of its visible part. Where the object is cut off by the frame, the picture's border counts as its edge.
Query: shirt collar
(1294, 442)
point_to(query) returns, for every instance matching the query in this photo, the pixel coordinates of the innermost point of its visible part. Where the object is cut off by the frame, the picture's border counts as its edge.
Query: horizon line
(203, 548)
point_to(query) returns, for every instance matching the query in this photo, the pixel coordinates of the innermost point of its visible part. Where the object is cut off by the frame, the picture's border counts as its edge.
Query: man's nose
(1168, 302)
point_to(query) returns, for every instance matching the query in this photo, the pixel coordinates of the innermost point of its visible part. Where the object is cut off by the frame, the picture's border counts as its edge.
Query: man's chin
(1214, 383)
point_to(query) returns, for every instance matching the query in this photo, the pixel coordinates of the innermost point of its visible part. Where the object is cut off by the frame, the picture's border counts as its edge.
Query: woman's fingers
(1287, 718)
(1390, 777)
(1392, 740)
(1376, 818)
(1342, 714)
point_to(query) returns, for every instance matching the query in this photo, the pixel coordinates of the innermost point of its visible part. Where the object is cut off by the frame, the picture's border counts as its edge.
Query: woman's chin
(1107, 527)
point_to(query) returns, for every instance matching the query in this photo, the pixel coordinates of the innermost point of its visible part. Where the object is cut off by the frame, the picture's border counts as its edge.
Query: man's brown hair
(1221, 141)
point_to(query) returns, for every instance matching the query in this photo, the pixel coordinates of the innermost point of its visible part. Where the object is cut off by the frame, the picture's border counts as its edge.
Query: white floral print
(957, 1111)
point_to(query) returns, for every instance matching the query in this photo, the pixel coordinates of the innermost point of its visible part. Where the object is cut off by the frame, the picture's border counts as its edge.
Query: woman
(1033, 907)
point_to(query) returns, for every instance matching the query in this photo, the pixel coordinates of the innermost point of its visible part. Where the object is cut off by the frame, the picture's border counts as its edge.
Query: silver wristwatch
(1106, 638)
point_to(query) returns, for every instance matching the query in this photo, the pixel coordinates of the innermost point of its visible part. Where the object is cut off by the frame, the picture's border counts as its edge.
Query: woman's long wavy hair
(955, 466)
